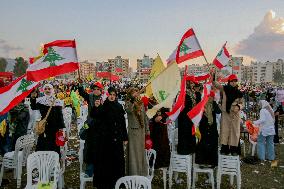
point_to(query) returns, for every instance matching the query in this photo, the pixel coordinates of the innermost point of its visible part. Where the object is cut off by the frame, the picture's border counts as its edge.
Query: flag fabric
(222, 57)
(108, 75)
(179, 105)
(3, 126)
(166, 85)
(188, 47)
(172, 57)
(157, 68)
(14, 93)
(60, 57)
(195, 114)
(165, 88)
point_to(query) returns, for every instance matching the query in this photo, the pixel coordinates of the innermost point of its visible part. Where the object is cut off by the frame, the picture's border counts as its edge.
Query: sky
(131, 28)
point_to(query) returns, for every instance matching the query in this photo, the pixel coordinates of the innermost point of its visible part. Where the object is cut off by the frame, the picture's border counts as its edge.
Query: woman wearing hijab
(55, 122)
(109, 135)
(232, 103)
(137, 128)
(207, 149)
(159, 135)
(265, 144)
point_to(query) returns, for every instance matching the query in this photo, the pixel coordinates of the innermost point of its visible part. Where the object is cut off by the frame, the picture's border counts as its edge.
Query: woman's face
(112, 96)
(47, 91)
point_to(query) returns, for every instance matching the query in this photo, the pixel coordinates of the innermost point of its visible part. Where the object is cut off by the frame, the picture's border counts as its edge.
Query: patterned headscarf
(48, 99)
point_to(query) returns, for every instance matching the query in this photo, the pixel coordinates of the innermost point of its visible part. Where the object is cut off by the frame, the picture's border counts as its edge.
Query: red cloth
(148, 142)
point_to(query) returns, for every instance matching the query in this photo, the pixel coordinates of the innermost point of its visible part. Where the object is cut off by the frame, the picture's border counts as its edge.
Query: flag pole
(79, 75)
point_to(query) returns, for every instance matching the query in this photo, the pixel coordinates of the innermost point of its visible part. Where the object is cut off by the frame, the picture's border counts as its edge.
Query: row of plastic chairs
(17, 159)
(227, 165)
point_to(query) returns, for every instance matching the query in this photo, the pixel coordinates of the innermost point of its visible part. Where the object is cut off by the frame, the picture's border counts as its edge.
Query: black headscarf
(232, 93)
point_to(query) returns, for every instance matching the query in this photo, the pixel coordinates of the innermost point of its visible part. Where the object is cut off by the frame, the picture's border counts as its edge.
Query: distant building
(247, 74)
(87, 69)
(144, 67)
(262, 72)
(119, 66)
(236, 64)
(195, 69)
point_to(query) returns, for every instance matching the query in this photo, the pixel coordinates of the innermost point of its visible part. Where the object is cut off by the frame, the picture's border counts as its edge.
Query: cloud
(6, 48)
(267, 40)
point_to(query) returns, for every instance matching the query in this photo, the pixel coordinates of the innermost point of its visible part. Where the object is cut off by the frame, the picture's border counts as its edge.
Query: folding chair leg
(1, 173)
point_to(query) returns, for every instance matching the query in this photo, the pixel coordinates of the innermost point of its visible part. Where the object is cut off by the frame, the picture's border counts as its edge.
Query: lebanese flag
(222, 57)
(172, 57)
(179, 105)
(188, 47)
(202, 76)
(195, 114)
(14, 93)
(60, 57)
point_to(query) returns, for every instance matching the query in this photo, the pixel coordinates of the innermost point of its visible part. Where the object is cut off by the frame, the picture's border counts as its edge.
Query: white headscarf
(48, 99)
(265, 105)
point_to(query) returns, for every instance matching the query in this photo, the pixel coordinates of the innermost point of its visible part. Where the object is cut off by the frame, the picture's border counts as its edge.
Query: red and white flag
(188, 47)
(202, 76)
(14, 93)
(179, 105)
(172, 57)
(195, 114)
(60, 57)
(222, 57)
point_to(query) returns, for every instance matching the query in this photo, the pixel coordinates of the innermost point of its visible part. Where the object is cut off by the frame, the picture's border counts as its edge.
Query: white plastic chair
(252, 146)
(197, 169)
(46, 164)
(67, 116)
(181, 164)
(83, 176)
(150, 155)
(134, 182)
(16, 159)
(174, 140)
(229, 165)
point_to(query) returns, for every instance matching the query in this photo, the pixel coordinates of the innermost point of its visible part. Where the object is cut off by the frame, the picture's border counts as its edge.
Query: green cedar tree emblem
(220, 53)
(184, 48)
(24, 84)
(163, 95)
(52, 56)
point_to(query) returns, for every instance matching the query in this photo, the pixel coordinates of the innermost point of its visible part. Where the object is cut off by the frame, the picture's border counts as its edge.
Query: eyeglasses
(47, 89)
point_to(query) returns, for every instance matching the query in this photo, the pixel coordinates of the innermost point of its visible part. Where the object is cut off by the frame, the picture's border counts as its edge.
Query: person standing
(137, 128)
(47, 140)
(159, 136)
(265, 144)
(186, 140)
(232, 103)
(109, 137)
(207, 148)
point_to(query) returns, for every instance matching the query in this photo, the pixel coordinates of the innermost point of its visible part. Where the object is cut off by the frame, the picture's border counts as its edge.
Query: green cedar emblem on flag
(24, 84)
(184, 48)
(220, 53)
(163, 95)
(52, 56)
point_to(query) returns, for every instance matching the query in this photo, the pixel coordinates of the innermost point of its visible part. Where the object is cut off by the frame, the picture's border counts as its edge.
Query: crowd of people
(115, 132)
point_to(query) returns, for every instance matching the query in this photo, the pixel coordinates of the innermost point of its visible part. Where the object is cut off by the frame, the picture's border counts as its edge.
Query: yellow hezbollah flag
(165, 88)
(157, 68)
(3, 125)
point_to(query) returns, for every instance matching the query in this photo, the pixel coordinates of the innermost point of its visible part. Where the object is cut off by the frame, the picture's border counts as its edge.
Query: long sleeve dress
(108, 153)
(55, 122)
(136, 160)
